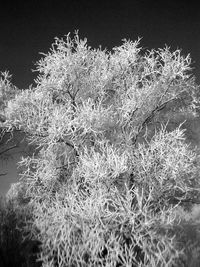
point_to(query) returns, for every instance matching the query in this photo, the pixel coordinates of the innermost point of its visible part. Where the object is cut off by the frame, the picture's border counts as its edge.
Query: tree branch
(2, 118)
(150, 117)
(68, 144)
(7, 149)
(2, 174)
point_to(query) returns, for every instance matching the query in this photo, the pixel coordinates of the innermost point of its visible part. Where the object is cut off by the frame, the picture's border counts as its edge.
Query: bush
(109, 176)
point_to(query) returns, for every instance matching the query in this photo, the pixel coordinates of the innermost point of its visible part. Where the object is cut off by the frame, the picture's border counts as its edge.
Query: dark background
(29, 27)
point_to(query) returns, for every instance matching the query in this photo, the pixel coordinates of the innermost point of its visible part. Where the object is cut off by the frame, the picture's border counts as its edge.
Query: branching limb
(150, 117)
(7, 149)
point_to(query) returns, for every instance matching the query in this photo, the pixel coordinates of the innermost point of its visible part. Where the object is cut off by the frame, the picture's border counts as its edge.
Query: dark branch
(7, 149)
(2, 174)
(69, 144)
(150, 117)
(2, 118)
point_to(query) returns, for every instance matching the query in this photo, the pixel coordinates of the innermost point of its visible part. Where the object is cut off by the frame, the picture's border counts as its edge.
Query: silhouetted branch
(2, 118)
(2, 174)
(150, 117)
(7, 149)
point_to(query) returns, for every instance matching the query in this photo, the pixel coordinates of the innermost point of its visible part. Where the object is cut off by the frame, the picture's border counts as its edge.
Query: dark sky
(29, 27)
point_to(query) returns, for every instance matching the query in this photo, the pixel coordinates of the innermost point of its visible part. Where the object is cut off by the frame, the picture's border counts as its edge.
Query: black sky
(29, 27)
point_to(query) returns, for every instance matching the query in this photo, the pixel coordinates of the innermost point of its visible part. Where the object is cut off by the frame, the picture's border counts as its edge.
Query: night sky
(29, 27)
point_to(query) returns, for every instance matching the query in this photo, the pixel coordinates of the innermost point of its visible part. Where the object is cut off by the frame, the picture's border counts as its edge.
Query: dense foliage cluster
(109, 176)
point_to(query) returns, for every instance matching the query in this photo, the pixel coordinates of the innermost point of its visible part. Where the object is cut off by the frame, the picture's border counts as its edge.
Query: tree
(105, 182)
